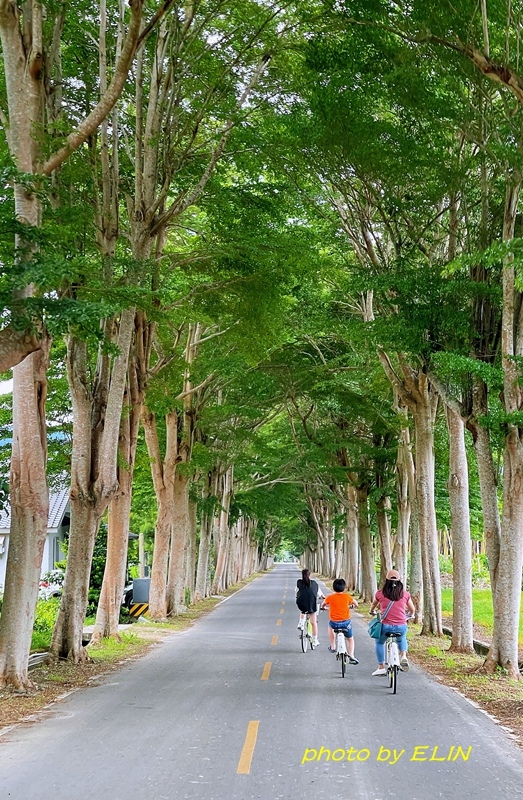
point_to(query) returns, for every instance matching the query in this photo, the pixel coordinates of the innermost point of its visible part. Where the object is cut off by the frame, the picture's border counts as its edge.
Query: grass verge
(498, 695)
(482, 613)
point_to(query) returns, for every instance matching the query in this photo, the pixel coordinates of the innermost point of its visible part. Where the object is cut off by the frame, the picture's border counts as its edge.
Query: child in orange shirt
(339, 617)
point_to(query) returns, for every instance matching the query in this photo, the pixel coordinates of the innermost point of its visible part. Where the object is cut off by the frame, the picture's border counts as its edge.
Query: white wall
(47, 560)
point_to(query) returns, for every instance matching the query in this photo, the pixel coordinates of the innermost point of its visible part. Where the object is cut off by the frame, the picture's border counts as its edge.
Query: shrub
(45, 618)
(480, 570)
(45, 615)
(445, 565)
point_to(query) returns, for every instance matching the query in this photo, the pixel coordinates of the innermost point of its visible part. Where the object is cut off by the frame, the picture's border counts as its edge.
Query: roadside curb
(481, 648)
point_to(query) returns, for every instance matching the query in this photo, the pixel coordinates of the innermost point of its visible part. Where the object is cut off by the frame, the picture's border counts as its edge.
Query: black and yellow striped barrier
(138, 609)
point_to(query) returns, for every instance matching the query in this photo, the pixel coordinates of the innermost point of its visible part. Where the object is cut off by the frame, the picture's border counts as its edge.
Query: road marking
(279, 622)
(266, 671)
(244, 764)
(282, 611)
(274, 640)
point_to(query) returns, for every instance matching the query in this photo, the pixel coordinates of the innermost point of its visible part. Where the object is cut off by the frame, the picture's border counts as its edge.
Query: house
(57, 528)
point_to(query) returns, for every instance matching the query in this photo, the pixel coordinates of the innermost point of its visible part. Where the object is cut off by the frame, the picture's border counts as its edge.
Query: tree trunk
(201, 588)
(222, 533)
(412, 387)
(192, 550)
(108, 611)
(351, 541)
(180, 523)
(458, 487)
(163, 472)
(368, 569)
(29, 515)
(162, 541)
(96, 426)
(204, 550)
(401, 545)
(22, 51)
(110, 602)
(416, 565)
(507, 592)
(423, 414)
(488, 482)
(68, 631)
(383, 519)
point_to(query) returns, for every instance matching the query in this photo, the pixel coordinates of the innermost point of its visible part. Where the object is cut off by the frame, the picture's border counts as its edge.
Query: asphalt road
(233, 710)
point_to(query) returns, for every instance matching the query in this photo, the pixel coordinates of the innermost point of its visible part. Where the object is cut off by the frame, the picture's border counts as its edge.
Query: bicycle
(305, 634)
(342, 654)
(341, 651)
(392, 659)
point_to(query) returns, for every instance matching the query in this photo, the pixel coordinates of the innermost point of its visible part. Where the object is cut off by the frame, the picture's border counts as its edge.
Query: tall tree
(31, 53)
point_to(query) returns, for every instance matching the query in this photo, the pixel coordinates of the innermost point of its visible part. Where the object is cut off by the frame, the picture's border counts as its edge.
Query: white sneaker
(380, 671)
(301, 626)
(315, 642)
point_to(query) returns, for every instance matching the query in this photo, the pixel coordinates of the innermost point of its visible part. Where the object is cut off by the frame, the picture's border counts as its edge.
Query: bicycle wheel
(343, 659)
(389, 675)
(394, 678)
(304, 640)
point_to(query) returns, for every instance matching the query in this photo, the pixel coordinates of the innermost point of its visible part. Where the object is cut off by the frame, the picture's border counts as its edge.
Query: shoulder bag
(374, 626)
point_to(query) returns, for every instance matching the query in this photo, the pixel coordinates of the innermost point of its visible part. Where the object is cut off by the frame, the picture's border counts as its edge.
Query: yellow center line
(282, 611)
(244, 764)
(274, 640)
(279, 622)
(266, 671)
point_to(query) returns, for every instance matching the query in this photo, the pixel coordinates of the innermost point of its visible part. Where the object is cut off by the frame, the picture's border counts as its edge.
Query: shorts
(345, 626)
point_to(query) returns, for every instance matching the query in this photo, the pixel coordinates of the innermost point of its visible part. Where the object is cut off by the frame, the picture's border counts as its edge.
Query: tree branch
(109, 98)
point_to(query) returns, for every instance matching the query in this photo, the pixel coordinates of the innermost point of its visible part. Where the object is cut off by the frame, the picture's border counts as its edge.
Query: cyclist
(307, 594)
(395, 619)
(339, 605)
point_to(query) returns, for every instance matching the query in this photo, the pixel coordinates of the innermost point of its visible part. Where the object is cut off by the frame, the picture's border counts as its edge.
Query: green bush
(97, 570)
(480, 569)
(45, 618)
(45, 615)
(445, 565)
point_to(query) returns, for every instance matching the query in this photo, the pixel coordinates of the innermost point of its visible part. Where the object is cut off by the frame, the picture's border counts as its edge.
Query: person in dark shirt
(307, 593)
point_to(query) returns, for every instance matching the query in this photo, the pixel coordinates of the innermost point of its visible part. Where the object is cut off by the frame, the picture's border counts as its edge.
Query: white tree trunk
(423, 414)
(222, 532)
(401, 545)
(202, 587)
(507, 591)
(488, 483)
(383, 507)
(458, 487)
